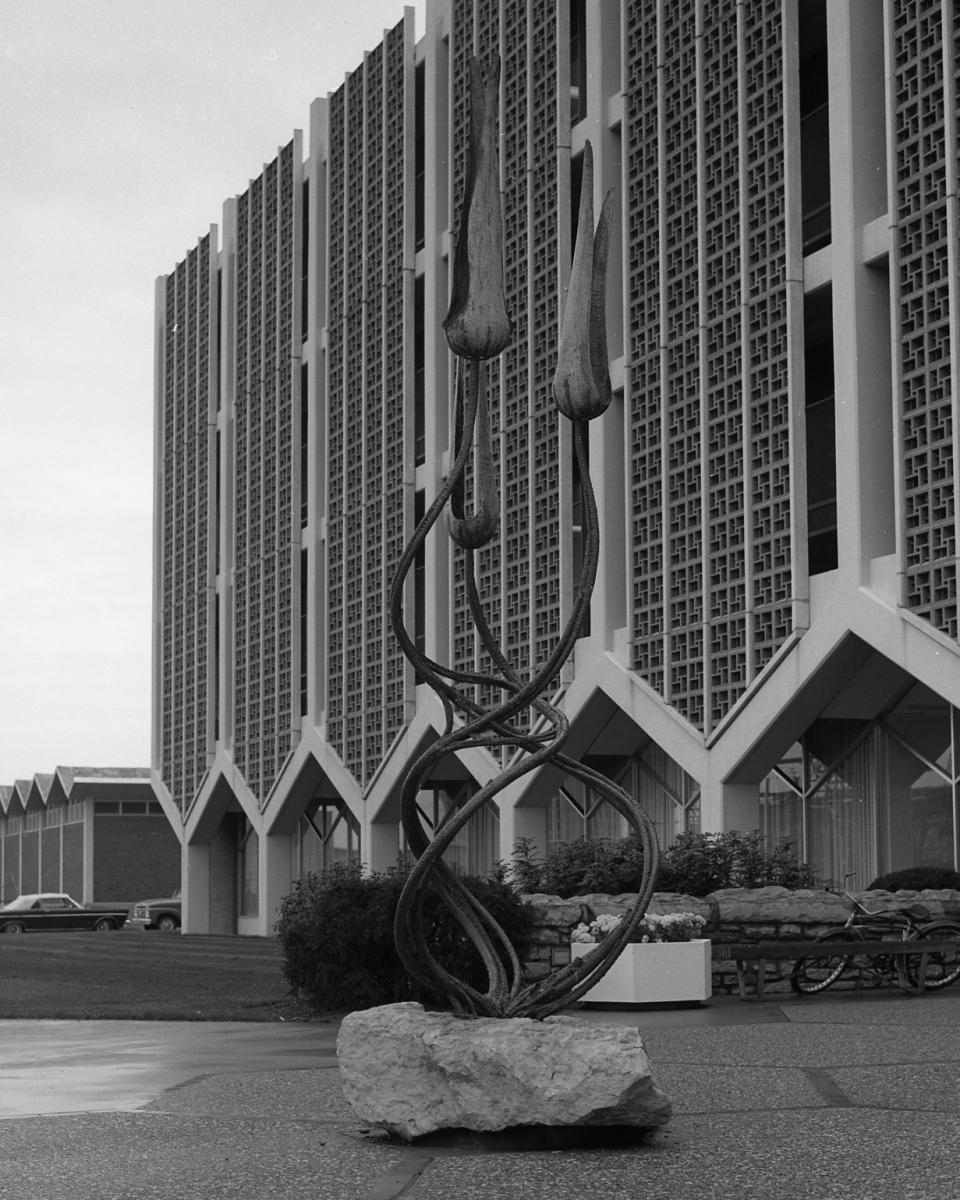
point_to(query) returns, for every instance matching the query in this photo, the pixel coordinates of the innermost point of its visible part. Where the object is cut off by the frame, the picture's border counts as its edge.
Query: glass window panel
(840, 833)
(922, 719)
(565, 821)
(931, 821)
(341, 843)
(917, 816)
(658, 784)
(605, 822)
(310, 856)
(249, 874)
(475, 850)
(781, 812)
(664, 813)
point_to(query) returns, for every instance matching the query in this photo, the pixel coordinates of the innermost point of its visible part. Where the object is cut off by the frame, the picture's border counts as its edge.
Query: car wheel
(104, 925)
(12, 927)
(167, 924)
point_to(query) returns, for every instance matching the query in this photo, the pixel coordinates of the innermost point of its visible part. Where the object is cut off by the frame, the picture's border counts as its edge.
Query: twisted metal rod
(491, 727)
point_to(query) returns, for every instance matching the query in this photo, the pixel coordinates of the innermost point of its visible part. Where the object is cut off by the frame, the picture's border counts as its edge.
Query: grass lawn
(144, 975)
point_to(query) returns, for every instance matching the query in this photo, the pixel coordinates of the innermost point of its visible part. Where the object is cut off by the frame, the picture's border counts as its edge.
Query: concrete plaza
(847, 1097)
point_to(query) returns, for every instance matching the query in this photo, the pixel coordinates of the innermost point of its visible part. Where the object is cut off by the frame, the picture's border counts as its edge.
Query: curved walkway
(853, 1098)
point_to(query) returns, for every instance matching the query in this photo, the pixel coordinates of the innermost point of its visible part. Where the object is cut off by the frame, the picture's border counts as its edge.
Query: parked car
(56, 910)
(157, 914)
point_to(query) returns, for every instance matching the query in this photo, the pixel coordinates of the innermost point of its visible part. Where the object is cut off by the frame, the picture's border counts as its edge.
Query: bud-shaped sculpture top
(581, 384)
(477, 325)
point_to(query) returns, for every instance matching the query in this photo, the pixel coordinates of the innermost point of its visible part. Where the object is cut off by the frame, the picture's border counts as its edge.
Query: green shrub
(583, 866)
(696, 864)
(525, 868)
(915, 879)
(336, 934)
(700, 863)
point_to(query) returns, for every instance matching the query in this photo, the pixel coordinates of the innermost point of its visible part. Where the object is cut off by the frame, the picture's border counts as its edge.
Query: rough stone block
(662, 903)
(777, 904)
(413, 1072)
(552, 910)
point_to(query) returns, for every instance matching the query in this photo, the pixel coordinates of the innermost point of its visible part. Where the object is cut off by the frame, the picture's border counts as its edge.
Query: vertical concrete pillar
(516, 823)
(741, 807)
(89, 882)
(195, 872)
(861, 301)
(276, 877)
(380, 845)
(726, 806)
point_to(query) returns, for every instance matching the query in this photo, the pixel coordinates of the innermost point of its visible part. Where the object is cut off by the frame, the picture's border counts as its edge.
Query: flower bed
(655, 927)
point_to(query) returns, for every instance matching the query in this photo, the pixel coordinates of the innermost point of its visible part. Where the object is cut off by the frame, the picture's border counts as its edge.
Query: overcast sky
(124, 124)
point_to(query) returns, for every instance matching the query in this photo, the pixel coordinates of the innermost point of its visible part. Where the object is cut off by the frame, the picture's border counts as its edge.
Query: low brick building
(98, 833)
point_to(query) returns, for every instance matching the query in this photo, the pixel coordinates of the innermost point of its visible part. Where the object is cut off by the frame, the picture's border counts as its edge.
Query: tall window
(419, 151)
(305, 263)
(419, 581)
(820, 419)
(577, 519)
(578, 61)
(476, 848)
(419, 373)
(667, 794)
(576, 186)
(814, 126)
(304, 445)
(248, 870)
(304, 630)
(870, 796)
(327, 833)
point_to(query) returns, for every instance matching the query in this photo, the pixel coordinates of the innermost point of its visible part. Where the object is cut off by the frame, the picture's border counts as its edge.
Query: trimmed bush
(915, 879)
(696, 864)
(700, 863)
(336, 932)
(593, 866)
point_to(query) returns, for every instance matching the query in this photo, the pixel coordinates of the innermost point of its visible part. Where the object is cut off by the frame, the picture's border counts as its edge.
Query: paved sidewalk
(853, 1098)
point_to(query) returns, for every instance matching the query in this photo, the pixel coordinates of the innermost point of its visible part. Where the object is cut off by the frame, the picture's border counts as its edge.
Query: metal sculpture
(478, 329)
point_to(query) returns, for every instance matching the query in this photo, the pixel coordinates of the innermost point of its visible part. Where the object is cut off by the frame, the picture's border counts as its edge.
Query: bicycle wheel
(816, 972)
(943, 968)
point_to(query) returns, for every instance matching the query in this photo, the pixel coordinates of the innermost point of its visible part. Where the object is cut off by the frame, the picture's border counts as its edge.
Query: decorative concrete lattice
(267, 338)
(369, 389)
(188, 412)
(926, 176)
(708, 348)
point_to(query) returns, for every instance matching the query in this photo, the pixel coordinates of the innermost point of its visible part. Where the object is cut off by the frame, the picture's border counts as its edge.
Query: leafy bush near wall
(583, 865)
(696, 864)
(700, 863)
(915, 879)
(336, 934)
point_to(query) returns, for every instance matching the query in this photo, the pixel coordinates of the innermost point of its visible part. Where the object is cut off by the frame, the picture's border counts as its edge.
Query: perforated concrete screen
(187, 402)
(708, 334)
(263, 588)
(519, 574)
(369, 397)
(926, 69)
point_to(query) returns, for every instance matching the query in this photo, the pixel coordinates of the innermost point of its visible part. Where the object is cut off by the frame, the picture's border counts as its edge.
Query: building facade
(773, 639)
(98, 833)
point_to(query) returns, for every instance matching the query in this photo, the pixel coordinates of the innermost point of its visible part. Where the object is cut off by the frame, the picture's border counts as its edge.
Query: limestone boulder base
(412, 1072)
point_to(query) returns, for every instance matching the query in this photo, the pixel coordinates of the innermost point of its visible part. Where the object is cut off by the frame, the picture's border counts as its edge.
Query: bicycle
(814, 973)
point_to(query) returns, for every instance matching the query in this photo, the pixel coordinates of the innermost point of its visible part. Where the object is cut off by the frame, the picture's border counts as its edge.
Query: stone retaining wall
(732, 915)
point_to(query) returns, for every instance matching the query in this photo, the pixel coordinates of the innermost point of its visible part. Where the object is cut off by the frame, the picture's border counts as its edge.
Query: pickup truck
(157, 914)
(38, 911)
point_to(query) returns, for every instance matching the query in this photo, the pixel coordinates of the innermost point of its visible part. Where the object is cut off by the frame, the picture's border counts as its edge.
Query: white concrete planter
(653, 973)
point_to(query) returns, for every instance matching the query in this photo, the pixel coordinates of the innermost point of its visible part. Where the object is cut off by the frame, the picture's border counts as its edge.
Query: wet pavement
(853, 1097)
(102, 1066)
